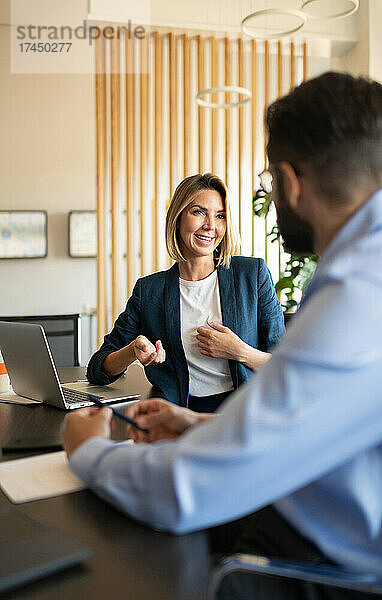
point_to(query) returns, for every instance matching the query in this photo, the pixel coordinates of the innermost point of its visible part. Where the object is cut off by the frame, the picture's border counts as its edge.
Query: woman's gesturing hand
(163, 419)
(147, 353)
(219, 342)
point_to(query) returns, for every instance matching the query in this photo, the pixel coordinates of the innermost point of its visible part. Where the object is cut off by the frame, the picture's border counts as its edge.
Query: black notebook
(30, 550)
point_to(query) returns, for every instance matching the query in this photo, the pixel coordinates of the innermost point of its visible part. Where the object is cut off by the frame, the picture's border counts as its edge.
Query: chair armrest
(322, 574)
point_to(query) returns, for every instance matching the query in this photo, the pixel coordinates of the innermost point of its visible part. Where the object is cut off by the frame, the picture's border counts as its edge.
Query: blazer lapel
(229, 309)
(174, 346)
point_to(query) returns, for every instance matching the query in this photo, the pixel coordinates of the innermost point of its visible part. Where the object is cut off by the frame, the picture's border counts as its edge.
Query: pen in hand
(118, 414)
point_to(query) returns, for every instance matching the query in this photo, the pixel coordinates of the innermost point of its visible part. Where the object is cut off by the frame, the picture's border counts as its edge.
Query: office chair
(63, 333)
(252, 577)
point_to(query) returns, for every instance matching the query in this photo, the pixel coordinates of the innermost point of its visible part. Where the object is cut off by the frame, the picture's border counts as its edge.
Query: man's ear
(292, 184)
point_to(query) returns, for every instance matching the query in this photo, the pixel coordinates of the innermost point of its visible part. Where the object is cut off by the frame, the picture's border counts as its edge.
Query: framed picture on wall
(23, 234)
(83, 233)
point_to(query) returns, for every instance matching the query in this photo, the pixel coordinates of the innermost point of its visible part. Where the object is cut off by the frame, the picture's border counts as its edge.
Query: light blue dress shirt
(305, 433)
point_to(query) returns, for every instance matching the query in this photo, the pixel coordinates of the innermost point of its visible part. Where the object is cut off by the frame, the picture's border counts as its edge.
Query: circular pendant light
(354, 5)
(223, 88)
(260, 33)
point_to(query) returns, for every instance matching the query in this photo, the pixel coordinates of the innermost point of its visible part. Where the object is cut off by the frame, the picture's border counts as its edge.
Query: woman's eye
(197, 212)
(221, 217)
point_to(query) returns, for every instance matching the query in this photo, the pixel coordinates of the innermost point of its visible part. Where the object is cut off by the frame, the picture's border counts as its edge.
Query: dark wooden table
(129, 561)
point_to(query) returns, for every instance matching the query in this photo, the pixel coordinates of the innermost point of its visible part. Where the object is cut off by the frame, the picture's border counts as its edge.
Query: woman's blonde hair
(186, 192)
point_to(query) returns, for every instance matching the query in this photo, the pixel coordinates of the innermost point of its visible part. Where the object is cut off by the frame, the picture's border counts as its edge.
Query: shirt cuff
(85, 459)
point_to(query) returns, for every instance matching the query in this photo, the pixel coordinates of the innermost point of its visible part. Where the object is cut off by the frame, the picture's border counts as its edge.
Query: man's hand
(163, 419)
(219, 342)
(147, 353)
(83, 424)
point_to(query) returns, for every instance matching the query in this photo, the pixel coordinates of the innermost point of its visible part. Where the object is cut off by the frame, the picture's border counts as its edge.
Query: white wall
(46, 162)
(365, 57)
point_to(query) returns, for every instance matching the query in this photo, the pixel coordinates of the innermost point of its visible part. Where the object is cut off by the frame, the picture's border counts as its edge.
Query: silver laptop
(33, 374)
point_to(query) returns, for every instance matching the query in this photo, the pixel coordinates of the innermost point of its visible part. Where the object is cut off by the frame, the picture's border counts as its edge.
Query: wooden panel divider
(173, 117)
(130, 163)
(172, 110)
(151, 118)
(254, 128)
(201, 111)
(304, 61)
(158, 143)
(279, 94)
(227, 116)
(266, 102)
(214, 98)
(186, 106)
(240, 68)
(144, 202)
(115, 155)
(101, 152)
(292, 65)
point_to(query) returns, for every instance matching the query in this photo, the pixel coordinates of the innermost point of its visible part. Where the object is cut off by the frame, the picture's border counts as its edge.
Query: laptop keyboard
(74, 396)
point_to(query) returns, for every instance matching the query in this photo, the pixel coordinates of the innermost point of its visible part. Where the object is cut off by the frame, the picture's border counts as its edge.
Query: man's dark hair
(330, 126)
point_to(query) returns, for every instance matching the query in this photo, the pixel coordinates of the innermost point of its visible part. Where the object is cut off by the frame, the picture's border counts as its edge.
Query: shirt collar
(364, 221)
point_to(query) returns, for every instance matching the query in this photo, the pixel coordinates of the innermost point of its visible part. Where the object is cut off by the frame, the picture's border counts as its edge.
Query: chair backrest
(63, 333)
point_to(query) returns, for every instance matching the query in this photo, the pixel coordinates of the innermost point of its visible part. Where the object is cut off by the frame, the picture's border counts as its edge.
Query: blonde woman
(201, 327)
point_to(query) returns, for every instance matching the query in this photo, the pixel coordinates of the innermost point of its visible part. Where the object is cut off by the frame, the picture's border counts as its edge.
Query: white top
(199, 301)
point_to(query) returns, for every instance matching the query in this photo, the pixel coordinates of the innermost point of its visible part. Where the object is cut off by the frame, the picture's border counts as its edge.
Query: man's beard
(296, 233)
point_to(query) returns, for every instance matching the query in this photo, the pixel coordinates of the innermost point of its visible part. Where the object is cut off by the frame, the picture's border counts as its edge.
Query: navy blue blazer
(249, 307)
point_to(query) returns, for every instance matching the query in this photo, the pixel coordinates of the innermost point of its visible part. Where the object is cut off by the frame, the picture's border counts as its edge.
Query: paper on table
(12, 398)
(38, 477)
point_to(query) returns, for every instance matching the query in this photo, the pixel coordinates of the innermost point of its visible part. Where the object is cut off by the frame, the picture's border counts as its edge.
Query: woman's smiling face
(202, 225)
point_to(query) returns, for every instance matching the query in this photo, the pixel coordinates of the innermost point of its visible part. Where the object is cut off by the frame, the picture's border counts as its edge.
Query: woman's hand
(147, 353)
(220, 342)
(84, 424)
(140, 348)
(163, 419)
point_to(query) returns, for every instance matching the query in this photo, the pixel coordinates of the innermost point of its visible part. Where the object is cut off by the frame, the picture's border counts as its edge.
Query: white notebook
(38, 477)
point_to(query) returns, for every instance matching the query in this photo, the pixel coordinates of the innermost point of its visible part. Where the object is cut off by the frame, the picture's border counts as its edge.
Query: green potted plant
(299, 268)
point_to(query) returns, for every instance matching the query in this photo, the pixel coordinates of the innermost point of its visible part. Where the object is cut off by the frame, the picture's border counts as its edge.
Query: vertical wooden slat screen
(173, 120)
(227, 81)
(130, 163)
(158, 133)
(240, 68)
(254, 127)
(201, 111)
(159, 78)
(172, 110)
(292, 66)
(304, 61)
(279, 93)
(115, 155)
(266, 102)
(214, 97)
(186, 106)
(144, 205)
(100, 89)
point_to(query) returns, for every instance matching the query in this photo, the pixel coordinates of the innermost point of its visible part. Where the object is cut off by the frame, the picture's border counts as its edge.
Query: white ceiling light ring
(290, 12)
(223, 89)
(339, 15)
